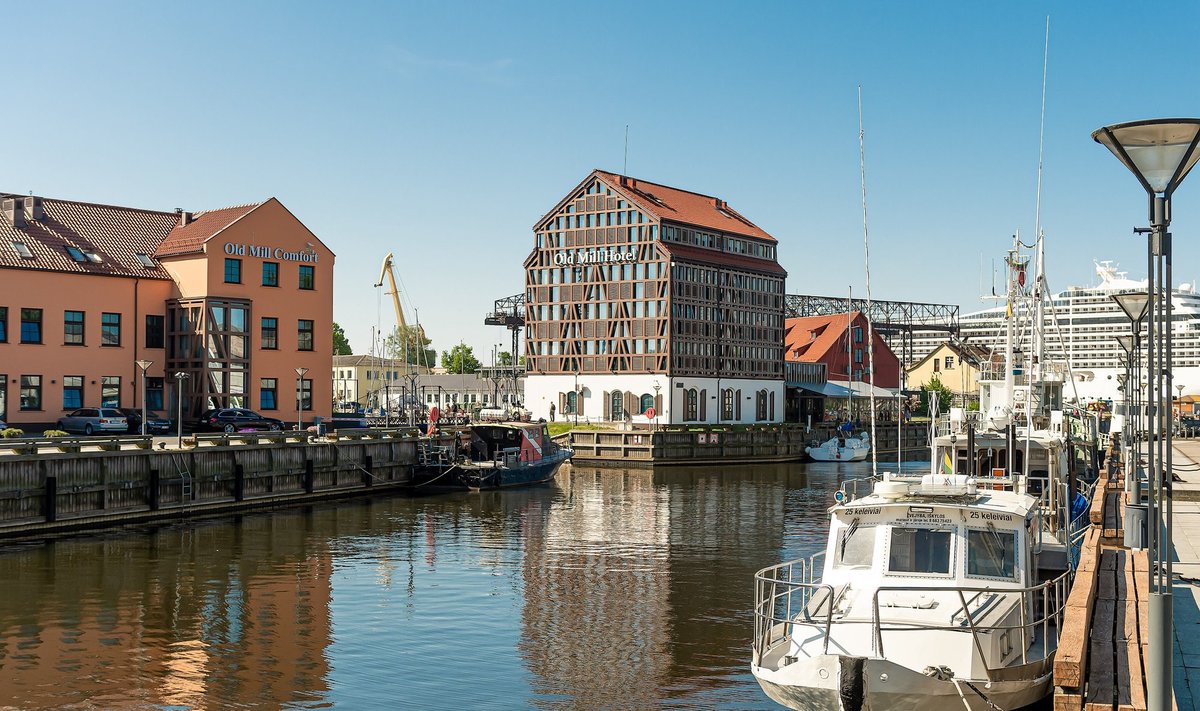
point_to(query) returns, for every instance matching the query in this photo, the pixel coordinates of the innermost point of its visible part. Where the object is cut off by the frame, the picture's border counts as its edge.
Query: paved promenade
(1186, 539)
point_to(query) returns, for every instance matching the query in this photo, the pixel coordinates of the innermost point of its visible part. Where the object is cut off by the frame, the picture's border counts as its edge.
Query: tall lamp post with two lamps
(1160, 153)
(179, 378)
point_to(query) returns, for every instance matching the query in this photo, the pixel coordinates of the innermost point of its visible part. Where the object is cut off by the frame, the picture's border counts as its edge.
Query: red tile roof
(116, 235)
(809, 339)
(723, 259)
(677, 205)
(203, 227)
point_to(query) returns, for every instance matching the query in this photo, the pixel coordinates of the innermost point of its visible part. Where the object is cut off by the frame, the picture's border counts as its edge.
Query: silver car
(94, 419)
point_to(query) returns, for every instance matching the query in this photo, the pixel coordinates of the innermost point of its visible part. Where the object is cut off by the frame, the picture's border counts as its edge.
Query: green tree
(944, 395)
(504, 359)
(410, 346)
(341, 344)
(460, 359)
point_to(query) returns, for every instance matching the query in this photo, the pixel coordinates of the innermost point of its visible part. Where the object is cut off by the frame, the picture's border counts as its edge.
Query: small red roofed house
(839, 341)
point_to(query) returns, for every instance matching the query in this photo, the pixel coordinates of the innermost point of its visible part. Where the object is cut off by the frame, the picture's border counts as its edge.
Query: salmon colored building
(235, 299)
(839, 341)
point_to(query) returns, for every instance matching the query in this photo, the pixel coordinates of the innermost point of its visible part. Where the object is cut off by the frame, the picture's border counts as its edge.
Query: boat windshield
(919, 550)
(855, 546)
(992, 553)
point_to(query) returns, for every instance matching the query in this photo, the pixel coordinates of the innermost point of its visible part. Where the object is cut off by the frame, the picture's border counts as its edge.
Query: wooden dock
(1101, 658)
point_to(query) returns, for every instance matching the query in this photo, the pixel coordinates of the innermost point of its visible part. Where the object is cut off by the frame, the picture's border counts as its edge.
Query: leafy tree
(410, 346)
(341, 344)
(460, 359)
(944, 395)
(504, 359)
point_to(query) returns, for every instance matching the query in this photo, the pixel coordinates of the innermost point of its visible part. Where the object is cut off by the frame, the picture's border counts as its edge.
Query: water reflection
(615, 588)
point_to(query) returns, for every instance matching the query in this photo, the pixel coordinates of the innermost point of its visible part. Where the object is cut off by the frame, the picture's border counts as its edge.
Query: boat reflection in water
(608, 588)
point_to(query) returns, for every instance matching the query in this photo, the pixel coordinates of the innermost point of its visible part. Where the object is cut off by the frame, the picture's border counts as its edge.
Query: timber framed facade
(640, 296)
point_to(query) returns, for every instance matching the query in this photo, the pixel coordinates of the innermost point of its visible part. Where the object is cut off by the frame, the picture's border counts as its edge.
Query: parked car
(349, 421)
(155, 423)
(233, 419)
(94, 419)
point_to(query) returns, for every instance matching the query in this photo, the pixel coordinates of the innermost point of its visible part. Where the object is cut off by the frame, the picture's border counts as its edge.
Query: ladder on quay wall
(186, 490)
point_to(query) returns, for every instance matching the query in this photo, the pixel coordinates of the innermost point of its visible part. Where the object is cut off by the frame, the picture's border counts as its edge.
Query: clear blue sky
(441, 131)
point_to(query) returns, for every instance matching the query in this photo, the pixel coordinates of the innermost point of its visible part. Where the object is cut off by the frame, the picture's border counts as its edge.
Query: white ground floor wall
(616, 398)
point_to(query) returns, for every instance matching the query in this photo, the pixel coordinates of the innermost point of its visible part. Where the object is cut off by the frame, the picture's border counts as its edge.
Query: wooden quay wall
(51, 486)
(710, 444)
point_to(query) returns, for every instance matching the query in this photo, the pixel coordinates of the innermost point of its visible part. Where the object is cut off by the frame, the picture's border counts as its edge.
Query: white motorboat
(842, 448)
(926, 597)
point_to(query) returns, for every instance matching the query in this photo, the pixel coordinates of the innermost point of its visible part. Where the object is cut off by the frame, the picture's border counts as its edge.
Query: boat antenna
(862, 172)
(1037, 217)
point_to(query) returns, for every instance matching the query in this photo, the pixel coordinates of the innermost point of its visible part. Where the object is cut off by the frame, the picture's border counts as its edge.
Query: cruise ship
(1079, 326)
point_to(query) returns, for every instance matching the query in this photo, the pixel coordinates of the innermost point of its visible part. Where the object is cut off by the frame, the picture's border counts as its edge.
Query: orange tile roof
(203, 227)
(116, 235)
(724, 259)
(809, 339)
(677, 205)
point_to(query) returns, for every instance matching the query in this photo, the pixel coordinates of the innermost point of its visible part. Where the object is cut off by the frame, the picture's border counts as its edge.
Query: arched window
(727, 404)
(571, 401)
(616, 401)
(691, 405)
(760, 410)
(647, 402)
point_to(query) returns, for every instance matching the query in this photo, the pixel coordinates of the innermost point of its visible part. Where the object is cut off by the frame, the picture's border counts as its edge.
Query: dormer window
(76, 254)
(22, 249)
(145, 260)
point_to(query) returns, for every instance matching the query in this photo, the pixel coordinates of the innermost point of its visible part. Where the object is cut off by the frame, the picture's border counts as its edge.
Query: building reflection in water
(198, 619)
(637, 577)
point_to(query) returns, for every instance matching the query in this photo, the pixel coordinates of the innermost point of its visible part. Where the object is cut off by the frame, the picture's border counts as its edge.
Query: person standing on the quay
(552, 412)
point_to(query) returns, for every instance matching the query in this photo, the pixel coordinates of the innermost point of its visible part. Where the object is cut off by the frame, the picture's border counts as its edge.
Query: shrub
(56, 433)
(11, 432)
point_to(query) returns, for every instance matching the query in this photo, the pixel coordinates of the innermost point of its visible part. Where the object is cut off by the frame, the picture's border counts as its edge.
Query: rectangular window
(992, 553)
(110, 391)
(155, 331)
(305, 394)
(307, 277)
(31, 392)
(858, 334)
(270, 333)
(73, 330)
(154, 393)
(110, 329)
(919, 550)
(267, 396)
(855, 546)
(233, 271)
(72, 392)
(949, 362)
(304, 335)
(3, 324)
(31, 330)
(270, 275)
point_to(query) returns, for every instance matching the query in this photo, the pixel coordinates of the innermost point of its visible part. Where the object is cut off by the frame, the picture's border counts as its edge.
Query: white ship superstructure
(1080, 326)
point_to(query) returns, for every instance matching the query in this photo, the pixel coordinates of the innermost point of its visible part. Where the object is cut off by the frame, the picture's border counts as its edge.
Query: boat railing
(1042, 607)
(787, 597)
(849, 490)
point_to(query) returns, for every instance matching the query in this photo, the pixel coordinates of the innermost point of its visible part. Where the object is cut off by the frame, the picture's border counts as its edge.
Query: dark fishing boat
(489, 456)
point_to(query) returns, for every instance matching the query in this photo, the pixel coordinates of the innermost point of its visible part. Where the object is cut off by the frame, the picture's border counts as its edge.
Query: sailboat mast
(849, 357)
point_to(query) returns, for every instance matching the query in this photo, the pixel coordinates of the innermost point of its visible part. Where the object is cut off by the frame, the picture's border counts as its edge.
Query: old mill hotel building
(236, 298)
(650, 303)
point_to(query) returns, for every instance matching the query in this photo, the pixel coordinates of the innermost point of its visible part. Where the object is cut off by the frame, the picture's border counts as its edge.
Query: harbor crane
(388, 273)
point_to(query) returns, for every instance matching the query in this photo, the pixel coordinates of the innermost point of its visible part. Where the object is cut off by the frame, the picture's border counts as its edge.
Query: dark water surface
(610, 589)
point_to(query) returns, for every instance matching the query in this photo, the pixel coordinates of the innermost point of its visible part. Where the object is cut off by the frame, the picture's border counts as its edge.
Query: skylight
(76, 254)
(145, 260)
(93, 257)
(22, 250)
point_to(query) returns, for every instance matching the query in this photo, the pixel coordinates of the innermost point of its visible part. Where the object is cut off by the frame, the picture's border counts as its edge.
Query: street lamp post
(1135, 304)
(179, 378)
(1160, 153)
(575, 408)
(300, 398)
(657, 387)
(144, 365)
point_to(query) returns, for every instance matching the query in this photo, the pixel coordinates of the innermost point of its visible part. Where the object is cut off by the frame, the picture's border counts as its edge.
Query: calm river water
(610, 589)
